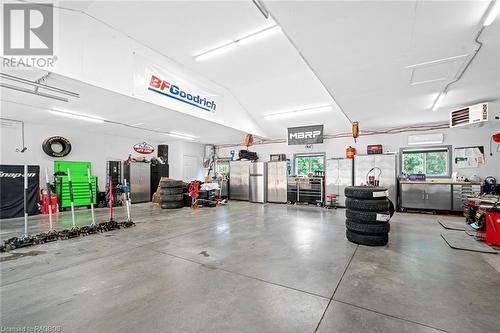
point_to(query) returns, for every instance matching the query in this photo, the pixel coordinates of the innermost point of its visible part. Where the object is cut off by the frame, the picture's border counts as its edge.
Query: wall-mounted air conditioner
(476, 115)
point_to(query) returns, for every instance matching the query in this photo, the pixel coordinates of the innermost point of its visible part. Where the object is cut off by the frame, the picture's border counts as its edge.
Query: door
(189, 168)
(271, 181)
(438, 197)
(332, 178)
(281, 181)
(413, 196)
(387, 164)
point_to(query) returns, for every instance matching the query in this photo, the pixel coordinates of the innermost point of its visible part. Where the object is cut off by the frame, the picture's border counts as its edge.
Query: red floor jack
(93, 227)
(74, 231)
(194, 192)
(126, 192)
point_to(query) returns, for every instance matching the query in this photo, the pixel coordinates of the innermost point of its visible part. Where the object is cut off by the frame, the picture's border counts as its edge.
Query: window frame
(429, 149)
(321, 154)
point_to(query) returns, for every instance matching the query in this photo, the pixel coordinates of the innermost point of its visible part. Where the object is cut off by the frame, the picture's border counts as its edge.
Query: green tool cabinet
(80, 183)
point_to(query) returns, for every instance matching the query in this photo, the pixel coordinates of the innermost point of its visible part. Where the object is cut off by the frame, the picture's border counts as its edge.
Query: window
(433, 162)
(222, 167)
(308, 164)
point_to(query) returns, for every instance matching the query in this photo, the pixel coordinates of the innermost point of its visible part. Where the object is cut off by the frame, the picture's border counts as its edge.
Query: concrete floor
(247, 268)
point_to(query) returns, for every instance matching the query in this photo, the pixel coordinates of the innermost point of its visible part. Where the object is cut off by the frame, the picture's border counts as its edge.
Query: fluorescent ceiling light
(78, 116)
(182, 136)
(438, 101)
(492, 14)
(258, 35)
(247, 39)
(216, 51)
(299, 112)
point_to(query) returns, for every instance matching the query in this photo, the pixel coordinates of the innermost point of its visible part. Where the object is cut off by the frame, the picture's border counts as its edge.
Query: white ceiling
(265, 76)
(361, 50)
(111, 106)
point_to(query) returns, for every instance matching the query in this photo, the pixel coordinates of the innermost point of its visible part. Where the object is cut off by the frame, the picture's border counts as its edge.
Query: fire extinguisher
(350, 152)
(496, 138)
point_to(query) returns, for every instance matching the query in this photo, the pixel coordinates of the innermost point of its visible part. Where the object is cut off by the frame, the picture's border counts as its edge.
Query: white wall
(336, 147)
(91, 147)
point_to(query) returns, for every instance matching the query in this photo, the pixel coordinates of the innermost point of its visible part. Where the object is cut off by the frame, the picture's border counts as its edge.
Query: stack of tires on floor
(171, 194)
(367, 215)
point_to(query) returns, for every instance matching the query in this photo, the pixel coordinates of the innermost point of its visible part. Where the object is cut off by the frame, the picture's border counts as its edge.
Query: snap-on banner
(160, 86)
(305, 135)
(12, 190)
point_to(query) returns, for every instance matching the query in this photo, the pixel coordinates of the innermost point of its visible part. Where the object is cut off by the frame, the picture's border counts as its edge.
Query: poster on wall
(305, 135)
(12, 190)
(160, 86)
(469, 157)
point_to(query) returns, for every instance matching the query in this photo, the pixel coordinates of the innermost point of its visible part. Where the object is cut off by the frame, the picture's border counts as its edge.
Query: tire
(171, 190)
(171, 183)
(171, 197)
(367, 217)
(172, 204)
(381, 205)
(369, 240)
(65, 144)
(368, 229)
(366, 192)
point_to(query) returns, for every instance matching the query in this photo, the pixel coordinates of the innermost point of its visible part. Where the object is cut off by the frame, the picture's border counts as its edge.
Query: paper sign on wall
(469, 157)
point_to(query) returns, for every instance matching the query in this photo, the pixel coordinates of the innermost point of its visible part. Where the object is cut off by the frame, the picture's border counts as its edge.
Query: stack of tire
(171, 194)
(367, 215)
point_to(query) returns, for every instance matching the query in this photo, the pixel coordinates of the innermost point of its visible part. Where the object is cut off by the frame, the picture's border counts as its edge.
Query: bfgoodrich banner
(305, 135)
(160, 86)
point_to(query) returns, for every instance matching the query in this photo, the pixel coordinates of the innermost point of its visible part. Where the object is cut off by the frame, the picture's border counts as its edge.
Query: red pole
(110, 200)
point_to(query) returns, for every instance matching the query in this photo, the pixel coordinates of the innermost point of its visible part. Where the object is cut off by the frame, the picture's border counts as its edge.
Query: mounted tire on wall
(49, 144)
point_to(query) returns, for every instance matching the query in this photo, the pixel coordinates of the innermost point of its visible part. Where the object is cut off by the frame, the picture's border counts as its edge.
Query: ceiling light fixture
(78, 116)
(247, 39)
(181, 136)
(298, 112)
(492, 13)
(438, 101)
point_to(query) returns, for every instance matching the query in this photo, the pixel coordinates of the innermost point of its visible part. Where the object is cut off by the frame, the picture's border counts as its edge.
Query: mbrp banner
(12, 190)
(305, 135)
(160, 86)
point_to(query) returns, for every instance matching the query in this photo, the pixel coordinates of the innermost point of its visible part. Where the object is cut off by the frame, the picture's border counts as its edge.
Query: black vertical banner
(12, 190)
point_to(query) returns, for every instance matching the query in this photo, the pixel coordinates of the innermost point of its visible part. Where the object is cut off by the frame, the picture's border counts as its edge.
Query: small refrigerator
(277, 181)
(339, 175)
(258, 182)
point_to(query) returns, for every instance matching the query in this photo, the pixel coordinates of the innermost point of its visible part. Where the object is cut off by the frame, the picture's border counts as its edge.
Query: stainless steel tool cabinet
(388, 166)
(239, 180)
(339, 175)
(277, 181)
(258, 182)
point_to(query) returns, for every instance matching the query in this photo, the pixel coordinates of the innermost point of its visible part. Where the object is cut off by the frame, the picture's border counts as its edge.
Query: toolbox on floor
(80, 183)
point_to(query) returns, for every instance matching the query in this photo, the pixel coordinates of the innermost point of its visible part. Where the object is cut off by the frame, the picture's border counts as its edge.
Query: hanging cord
(23, 147)
(373, 169)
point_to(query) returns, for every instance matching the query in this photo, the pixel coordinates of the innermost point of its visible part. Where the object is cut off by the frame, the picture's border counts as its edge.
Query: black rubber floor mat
(455, 225)
(461, 241)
